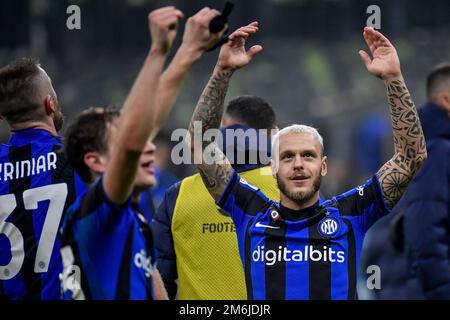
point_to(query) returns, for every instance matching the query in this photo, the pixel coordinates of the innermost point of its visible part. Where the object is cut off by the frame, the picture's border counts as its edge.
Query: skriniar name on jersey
(37, 185)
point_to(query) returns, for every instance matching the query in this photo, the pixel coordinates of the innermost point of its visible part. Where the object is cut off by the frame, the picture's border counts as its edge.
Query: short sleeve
(96, 202)
(365, 202)
(240, 198)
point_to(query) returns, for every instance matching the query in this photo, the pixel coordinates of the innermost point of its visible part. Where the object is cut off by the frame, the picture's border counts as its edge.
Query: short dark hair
(252, 111)
(19, 90)
(88, 133)
(438, 80)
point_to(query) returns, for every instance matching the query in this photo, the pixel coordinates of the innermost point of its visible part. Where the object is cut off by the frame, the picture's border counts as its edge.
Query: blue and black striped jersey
(313, 254)
(111, 247)
(36, 187)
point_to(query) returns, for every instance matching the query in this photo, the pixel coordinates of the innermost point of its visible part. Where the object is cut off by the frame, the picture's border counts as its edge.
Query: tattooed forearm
(209, 114)
(409, 143)
(409, 140)
(214, 177)
(210, 105)
(394, 181)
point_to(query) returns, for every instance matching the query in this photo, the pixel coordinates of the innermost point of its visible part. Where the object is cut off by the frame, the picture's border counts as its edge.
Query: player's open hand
(163, 24)
(233, 54)
(197, 37)
(385, 63)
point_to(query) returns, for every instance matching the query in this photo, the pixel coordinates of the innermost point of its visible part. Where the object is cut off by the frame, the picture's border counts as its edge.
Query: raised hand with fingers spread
(385, 62)
(208, 112)
(409, 141)
(233, 55)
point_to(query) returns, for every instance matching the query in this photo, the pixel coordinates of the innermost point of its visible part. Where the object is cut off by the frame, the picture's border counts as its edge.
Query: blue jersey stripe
(14, 289)
(339, 270)
(297, 287)
(275, 241)
(124, 275)
(100, 254)
(352, 260)
(245, 250)
(258, 267)
(258, 271)
(39, 215)
(358, 235)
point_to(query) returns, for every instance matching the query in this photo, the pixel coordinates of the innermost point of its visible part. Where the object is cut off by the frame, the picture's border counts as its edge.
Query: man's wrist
(223, 69)
(156, 51)
(188, 54)
(391, 77)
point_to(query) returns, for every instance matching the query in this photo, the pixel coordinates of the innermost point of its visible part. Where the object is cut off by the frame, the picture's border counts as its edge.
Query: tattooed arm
(208, 113)
(409, 141)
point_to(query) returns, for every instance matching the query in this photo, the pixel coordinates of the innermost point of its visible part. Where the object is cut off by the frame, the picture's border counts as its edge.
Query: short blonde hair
(296, 128)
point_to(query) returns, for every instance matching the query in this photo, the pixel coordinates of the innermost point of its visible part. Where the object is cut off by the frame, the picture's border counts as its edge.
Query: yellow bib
(207, 255)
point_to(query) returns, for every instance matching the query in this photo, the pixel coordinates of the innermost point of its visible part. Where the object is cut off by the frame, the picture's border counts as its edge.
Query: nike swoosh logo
(259, 224)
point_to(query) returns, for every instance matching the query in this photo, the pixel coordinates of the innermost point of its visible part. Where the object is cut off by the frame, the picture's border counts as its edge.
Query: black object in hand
(219, 22)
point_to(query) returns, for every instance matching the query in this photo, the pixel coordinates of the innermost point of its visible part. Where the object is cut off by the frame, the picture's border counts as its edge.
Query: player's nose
(150, 147)
(298, 162)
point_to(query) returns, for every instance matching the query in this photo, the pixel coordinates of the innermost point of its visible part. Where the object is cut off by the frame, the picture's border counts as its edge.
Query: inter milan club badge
(274, 214)
(328, 226)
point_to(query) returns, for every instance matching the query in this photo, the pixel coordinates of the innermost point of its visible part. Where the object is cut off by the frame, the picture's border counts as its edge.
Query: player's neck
(35, 126)
(135, 196)
(298, 205)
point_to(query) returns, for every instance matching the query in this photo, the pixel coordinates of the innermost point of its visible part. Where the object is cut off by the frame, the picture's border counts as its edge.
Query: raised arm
(196, 39)
(409, 141)
(208, 112)
(137, 118)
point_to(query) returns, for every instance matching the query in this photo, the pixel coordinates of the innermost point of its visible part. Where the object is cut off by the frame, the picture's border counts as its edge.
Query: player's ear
(443, 99)
(274, 166)
(95, 162)
(226, 121)
(324, 166)
(49, 104)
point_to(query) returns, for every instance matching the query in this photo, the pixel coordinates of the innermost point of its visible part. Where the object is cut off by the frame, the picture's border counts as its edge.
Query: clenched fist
(163, 25)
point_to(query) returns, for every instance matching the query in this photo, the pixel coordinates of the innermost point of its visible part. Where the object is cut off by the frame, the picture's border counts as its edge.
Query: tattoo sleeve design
(409, 143)
(209, 112)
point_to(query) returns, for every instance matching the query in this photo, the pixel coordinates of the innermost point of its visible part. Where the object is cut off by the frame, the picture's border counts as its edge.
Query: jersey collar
(311, 214)
(26, 136)
(293, 215)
